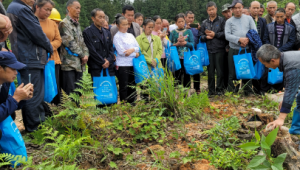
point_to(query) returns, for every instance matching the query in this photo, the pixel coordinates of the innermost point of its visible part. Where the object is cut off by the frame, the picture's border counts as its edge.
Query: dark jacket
(218, 43)
(196, 36)
(8, 105)
(288, 40)
(28, 41)
(99, 49)
(297, 43)
(263, 27)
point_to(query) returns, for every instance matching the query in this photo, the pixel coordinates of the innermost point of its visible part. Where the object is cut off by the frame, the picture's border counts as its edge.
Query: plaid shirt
(257, 26)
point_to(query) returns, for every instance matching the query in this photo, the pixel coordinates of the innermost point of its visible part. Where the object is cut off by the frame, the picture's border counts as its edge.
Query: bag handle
(241, 50)
(107, 73)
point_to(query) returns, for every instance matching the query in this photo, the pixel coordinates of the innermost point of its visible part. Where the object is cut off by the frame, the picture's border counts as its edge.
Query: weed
(265, 161)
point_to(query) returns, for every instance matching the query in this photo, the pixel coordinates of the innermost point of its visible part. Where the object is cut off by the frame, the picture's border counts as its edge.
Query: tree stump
(285, 144)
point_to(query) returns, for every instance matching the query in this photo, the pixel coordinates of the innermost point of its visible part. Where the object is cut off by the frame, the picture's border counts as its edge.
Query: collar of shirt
(74, 21)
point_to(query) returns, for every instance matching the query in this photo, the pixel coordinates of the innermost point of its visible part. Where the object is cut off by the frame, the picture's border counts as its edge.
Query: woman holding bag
(127, 48)
(151, 47)
(183, 39)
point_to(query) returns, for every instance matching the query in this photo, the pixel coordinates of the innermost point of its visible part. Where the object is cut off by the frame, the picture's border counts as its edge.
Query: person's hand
(227, 50)
(153, 63)
(115, 58)
(84, 60)
(211, 34)
(162, 35)
(128, 52)
(137, 55)
(199, 27)
(279, 122)
(187, 26)
(106, 64)
(180, 39)
(23, 92)
(244, 41)
(8, 27)
(209, 37)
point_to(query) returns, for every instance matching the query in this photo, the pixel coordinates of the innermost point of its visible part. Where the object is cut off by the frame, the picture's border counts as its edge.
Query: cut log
(285, 144)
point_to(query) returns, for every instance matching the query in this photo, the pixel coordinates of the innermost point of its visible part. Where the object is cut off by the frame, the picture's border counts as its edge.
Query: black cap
(234, 2)
(9, 59)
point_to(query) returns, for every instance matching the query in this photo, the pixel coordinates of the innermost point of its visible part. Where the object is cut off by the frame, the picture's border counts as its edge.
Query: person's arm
(290, 43)
(56, 43)
(159, 50)
(221, 33)
(190, 42)
(111, 56)
(69, 41)
(252, 24)
(202, 34)
(266, 36)
(94, 56)
(31, 27)
(8, 107)
(228, 35)
(292, 82)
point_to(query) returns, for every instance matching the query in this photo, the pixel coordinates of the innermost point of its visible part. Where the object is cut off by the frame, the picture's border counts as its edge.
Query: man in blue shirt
(8, 72)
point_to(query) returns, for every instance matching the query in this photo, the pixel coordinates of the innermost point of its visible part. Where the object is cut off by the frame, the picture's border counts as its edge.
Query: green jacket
(145, 45)
(72, 38)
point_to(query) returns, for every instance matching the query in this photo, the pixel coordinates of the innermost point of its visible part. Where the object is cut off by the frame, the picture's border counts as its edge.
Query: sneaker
(198, 91)
(210, 94)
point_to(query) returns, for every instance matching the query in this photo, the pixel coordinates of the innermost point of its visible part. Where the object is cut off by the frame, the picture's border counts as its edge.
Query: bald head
(165, 24)
(254, 8)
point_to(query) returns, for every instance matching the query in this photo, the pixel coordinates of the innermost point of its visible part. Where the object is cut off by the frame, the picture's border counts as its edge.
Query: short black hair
(156, 17)
(70, 2)
(280, 10)
(127, 8)
(262, 6)
(179, 16)
(147, 21)
(94, 11)
(137, 15)
(210, 4)
(289, 3)
(189, 12)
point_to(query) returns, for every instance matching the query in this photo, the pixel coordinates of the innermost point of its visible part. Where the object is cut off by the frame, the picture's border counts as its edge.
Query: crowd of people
(35, 30)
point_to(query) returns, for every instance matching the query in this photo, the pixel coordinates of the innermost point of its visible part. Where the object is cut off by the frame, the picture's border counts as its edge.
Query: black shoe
(220, 93)
(210, 94)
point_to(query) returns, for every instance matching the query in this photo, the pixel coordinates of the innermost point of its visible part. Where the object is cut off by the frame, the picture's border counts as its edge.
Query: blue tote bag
(105, 88)
(140, 68)
(201, 46)
(50, 81)
(12, 89)
(192, 62)
(243, 65)
(173, 62)
(259, 70)
(12, 141)
(275, 76)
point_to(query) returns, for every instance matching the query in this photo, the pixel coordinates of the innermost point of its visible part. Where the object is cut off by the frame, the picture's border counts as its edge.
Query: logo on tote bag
(144, 67)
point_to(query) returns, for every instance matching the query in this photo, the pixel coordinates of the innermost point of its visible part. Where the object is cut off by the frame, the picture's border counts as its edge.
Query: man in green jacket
(271, 8)
(74, 53)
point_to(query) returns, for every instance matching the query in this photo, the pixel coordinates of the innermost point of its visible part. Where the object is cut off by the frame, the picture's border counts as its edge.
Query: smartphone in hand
(165, 30)
(194, 25)
(180, 34)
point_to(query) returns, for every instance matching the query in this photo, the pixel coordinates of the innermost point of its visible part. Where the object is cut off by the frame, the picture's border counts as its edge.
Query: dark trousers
(33, 111)
(216, 62)
(163, 61)
(265, 86)
(246, 84)
(56, 99)
(186, 77)
(126, 79)
(69, 80)
(225, 70)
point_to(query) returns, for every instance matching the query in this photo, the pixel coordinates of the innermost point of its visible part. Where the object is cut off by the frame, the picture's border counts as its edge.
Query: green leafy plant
(265, 161)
